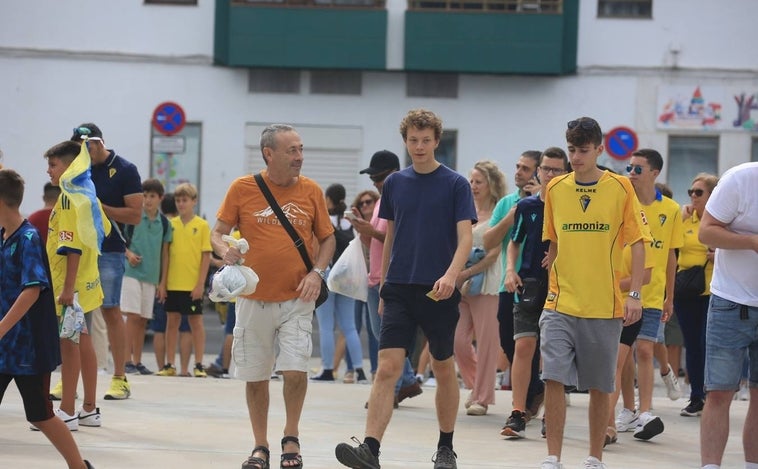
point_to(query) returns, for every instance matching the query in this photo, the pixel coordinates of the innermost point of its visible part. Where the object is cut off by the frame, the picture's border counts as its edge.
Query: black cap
(94, 131)
(383, 160)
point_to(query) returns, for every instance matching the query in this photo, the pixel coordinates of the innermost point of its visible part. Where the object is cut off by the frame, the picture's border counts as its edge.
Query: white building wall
(61, 65)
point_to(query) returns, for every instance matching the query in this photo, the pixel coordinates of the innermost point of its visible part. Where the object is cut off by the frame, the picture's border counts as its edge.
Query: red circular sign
(169, 118)
(621, 142)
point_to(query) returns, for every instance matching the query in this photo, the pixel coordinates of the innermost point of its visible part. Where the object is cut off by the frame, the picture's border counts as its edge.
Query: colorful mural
(746, 104)
(687, 108)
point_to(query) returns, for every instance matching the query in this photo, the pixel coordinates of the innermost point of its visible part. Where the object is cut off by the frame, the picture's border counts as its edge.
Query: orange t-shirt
(273, 255)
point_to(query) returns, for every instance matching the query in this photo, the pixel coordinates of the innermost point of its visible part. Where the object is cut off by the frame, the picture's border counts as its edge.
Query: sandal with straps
(291, 458)
(254, 462)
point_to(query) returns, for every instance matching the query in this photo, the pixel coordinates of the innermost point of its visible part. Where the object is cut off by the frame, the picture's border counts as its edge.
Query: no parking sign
(169, 118)
(621, 142)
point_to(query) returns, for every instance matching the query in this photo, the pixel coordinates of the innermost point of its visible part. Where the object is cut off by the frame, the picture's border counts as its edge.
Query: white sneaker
(672, 385)
(649, 426)
(626, 421)
(90, 419)
(593, 463)
(551, 462)
(71, 421)
(431, 383)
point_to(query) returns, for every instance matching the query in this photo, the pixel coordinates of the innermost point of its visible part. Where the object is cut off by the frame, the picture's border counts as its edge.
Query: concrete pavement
(193, 423)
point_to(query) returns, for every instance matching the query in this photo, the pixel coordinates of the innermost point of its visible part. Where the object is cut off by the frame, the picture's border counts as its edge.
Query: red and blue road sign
(621, 142)
(169, 118)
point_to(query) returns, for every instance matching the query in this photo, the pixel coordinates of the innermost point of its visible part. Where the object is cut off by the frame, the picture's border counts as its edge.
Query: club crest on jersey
(662, 218)
(111, 172)
(551, 296)
(584, 201)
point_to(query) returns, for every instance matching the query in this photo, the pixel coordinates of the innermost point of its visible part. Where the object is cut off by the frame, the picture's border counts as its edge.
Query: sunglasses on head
(586, 124)
(365, 202)
(632, 168)
(697, 192)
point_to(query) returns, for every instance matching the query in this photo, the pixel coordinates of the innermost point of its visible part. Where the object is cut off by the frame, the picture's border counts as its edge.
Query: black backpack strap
(299, 243)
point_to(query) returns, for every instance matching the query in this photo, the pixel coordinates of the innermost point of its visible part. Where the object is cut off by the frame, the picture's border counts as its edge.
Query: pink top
(375, 248)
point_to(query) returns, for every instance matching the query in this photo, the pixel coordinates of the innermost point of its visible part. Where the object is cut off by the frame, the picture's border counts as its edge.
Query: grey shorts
(579, 352)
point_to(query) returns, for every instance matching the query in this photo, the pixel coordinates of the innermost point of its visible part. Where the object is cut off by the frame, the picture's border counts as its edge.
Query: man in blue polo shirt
(119, 189)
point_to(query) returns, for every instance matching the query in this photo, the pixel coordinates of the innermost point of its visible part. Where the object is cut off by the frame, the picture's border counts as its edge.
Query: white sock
(751, 465)
(711, 466)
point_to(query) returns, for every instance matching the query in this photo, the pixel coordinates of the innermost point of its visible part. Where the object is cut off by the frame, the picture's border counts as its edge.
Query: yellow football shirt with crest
(665, 222)
(63, 238)
(185, 252)
(590, 224)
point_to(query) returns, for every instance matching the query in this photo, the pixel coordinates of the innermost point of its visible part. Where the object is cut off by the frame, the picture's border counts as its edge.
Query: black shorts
(406, 307)
(182, 302)
(629, 333)
(35, 392)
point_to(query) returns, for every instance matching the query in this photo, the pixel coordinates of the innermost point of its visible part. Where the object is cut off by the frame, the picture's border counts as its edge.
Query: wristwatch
(320, 272)
(635, 295)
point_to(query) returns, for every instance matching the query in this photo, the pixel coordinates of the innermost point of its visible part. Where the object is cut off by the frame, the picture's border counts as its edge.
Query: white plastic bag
(73, 321)
(349, 275)
(232, 281)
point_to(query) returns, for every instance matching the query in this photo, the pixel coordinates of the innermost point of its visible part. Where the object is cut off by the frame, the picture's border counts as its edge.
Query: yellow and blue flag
(77, 185)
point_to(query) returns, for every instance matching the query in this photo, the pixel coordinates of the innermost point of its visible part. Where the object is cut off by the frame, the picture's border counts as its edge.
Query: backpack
(343, 238)
(129, 230)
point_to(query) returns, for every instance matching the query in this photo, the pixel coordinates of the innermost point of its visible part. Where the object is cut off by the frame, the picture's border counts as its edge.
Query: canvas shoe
(119, 389)
(648, 427)
(551, 462)
(593, 463)
(672, 385)
(90, 419)
(515, 426)
(445, 458)
(357, 457)
(626, 421)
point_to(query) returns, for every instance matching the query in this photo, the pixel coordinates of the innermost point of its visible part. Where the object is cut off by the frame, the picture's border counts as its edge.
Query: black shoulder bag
(299, 243)
(690, 283)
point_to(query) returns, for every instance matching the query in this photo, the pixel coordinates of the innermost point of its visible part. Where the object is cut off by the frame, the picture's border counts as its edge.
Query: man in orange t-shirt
(271, 321)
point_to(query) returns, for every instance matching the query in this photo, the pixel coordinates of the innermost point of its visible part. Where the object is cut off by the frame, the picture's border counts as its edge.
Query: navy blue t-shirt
(32, 345)
(527, 230)
(115, 179)
(425, 209)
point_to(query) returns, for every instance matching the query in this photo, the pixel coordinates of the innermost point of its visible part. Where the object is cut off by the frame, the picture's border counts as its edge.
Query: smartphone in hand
(349, 215)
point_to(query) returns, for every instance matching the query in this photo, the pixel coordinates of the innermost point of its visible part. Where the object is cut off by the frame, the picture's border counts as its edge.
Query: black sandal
(291, 457)
(254, 462)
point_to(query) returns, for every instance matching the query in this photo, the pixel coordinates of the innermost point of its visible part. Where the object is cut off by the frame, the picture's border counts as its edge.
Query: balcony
(318, 34)
(529, 37)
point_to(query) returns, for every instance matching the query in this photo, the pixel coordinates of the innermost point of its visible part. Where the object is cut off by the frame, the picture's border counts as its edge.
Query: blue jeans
(693, 316)
(231, 318)
(111, 266)
(728, 337)
(340, 309)
(373, 343)
(408, 377)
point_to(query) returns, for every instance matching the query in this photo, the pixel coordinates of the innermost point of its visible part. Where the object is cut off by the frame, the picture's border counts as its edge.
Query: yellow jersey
(693, 252)
(185, 252)
(590, 224)
(665, 222)
(63, 238)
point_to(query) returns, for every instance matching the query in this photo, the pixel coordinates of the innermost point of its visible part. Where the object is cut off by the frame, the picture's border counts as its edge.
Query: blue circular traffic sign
(169, 118)
(621, 142)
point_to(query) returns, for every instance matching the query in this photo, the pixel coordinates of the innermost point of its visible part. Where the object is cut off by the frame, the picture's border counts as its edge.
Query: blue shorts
(231, 318)
(728, 340)
(111, 266)
(652, 328)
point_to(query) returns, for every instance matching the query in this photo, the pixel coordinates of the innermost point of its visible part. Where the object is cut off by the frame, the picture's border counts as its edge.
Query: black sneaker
(445, 458)
(693, 409)
(515, 426)
(214, 370)
(356, 457)
(129, 368)
(325, 376)
(143, 370)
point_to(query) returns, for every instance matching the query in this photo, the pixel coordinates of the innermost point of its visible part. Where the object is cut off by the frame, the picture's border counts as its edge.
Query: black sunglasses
(365, 202)
(697, 192)
(585, 123)
(637, 169)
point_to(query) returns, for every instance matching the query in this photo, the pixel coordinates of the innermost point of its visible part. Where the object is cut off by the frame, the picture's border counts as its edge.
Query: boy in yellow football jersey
(73, 269)
(189, 259)
(590, 215)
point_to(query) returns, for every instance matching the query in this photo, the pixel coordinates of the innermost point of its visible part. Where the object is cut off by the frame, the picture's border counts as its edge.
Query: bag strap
(299, 243)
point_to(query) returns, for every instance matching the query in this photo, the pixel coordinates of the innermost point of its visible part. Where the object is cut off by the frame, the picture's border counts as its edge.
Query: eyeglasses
(697, 192)
(379, 177)
(549, 170)
(365, 202)
(585, 122)
(634, 168)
